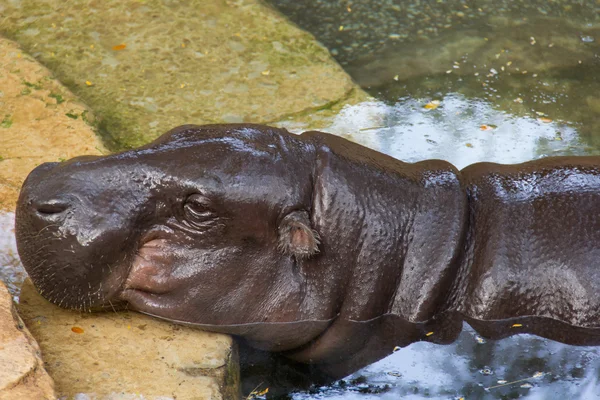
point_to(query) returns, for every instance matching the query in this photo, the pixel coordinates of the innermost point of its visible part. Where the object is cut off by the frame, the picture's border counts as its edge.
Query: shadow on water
(464, 81)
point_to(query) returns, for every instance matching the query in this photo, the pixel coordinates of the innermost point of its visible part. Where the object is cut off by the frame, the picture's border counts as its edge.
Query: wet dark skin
(315, 247)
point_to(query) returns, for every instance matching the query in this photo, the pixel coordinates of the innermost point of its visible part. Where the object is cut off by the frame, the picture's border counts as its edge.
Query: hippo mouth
(151, 269)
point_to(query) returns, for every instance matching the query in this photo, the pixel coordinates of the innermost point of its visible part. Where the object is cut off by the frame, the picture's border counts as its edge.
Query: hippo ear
(296, 236)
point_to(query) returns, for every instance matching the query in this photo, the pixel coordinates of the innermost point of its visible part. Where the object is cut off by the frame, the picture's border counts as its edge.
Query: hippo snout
(39, 199)
(73, 230)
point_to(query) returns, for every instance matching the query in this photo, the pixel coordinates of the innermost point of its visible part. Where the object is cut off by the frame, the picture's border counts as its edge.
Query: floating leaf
(545, 120)
(119, 47)
(429, 334)
(76, 329)
(516, 325)
(432, 105)
(527, 386)
(486, 127)
(469, 145)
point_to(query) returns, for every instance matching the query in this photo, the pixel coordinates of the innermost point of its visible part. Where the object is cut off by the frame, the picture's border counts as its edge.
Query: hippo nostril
(51, 208)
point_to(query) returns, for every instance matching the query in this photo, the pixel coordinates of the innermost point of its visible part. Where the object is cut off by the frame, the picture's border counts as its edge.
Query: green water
(468, 81)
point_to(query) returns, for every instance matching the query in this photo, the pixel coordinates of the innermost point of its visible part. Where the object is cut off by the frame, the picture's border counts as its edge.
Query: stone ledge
(22, 374)
(122, 355)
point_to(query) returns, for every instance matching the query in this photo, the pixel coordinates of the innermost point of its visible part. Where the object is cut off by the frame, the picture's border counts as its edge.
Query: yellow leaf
(516, 325)
(432, 105)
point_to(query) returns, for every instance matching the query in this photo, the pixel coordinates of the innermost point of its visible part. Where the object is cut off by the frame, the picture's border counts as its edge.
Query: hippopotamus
(315, 247)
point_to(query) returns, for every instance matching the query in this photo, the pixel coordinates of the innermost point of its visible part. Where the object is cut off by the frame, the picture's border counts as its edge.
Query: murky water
(11, 270)
(462, 81)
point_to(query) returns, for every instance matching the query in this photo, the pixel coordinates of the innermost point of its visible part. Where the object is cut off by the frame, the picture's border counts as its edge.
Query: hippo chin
(316, 247)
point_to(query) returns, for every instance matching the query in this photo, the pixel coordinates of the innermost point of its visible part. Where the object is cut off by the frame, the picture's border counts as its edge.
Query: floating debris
(518, 100)
(469, 145)
(429, 334)
(371, 128)
(76, 329)
(89, 83)
(395, 374)
(432, 105)
(516, 325)
(486, 371)
(545, 120)
(256, 393)
(526, 385)
(587, 39)
(396, 348)
(118, 47)
(532, 40)
(486, 127)
(479, 339)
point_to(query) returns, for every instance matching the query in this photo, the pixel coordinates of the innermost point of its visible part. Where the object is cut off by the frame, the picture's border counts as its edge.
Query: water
(494, 81)
(11, 269)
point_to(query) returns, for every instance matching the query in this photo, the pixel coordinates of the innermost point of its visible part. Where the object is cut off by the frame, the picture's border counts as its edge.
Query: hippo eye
(196, 209)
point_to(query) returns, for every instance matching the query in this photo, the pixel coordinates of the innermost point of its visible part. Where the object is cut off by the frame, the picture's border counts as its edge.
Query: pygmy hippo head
(212, 226)
(287, 240)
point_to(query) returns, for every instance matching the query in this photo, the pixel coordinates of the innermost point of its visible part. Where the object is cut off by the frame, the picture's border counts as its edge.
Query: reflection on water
(522, 366)
(11, 270)
(500, 81)
(456, 129)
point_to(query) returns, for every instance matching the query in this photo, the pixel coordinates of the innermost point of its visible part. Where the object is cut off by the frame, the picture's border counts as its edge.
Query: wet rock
(22, 373)
(116, 356)
(145, 67)
(40, 120)
(122, 355)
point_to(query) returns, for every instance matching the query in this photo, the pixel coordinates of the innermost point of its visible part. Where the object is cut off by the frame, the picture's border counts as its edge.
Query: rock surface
(22, 374)
(40, 120)
(147, 66)
(125, 355)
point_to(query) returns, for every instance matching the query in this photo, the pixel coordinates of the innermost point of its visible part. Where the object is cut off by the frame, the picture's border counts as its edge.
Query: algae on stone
(148, 66)
(33, 123)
